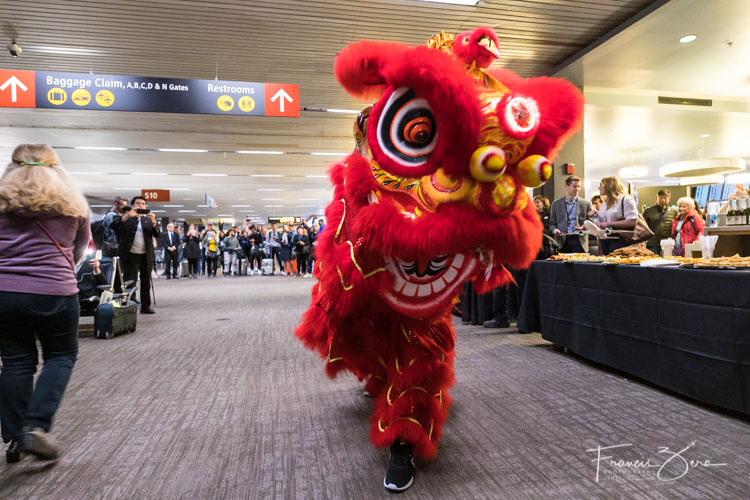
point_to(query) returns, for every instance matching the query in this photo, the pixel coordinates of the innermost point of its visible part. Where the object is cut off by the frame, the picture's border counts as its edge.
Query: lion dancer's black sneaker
(13, 453)
(400, 473)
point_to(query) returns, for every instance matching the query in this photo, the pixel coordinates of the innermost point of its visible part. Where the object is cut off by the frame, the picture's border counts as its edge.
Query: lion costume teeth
(434, 194)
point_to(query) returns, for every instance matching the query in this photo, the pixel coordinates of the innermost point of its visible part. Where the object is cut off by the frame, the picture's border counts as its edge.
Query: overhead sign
(155, 194)
(210, 202)
(284, 220)
(44, 89)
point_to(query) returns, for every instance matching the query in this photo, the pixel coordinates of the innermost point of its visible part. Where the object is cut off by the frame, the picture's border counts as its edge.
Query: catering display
(641, 256)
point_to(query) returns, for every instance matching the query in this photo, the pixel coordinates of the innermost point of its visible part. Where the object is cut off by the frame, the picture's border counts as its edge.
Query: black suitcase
(113, 319)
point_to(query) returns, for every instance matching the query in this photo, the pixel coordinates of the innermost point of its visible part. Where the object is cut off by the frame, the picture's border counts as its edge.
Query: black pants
(211, 264)
(137, 267)
(500, 304)
(193, 266)
(170, 261)
(301, 263)
(276, 256)
(572, 245)
(256, 261)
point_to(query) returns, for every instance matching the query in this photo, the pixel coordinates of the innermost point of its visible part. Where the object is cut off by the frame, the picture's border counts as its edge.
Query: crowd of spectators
(246, 250)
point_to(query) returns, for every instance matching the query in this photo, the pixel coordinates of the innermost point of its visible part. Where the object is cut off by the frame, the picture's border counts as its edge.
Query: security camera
(15, 49)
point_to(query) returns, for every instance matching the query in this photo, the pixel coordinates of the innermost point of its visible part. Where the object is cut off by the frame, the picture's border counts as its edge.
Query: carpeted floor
(213, 397)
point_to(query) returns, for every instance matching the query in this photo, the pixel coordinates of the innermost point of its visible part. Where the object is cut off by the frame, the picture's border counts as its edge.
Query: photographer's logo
(669, 466)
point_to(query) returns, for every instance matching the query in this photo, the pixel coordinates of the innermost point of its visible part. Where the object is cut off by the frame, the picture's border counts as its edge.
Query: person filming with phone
(136, 231)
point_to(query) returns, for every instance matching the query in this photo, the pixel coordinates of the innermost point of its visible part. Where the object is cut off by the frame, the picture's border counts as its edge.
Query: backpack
(97, 233)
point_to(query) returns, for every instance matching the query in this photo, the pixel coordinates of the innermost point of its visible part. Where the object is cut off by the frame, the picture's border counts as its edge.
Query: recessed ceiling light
(173, 206)
(202, 206)
(266, 175)
(270, 189)
(271, 199)
(309, 199)
(100, 206)
(348, 111)
(100, 148)
(260, 152)
(209, 175)
(317, 176)
(273, 206)
(47, 49)
(225, 215)
(319, 153)
(455, 2)
(174, 150)
(186, 211)
(703, 136)
(158, 211)
(148, 173)
(86, 173)
(307, 205)
(687, 38)
(240, 206)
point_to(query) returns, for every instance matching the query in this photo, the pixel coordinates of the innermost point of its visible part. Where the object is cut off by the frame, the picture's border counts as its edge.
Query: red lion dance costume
(432, 196)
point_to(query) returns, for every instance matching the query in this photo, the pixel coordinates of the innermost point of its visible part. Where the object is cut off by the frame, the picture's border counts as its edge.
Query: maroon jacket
(30, 262)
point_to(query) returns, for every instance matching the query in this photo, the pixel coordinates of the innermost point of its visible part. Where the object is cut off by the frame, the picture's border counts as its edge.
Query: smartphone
(142, 211)
(98, 255)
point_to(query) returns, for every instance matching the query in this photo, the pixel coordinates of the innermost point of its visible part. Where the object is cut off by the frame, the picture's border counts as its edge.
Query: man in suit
(567, 215)
(136, 233)
(170, 240)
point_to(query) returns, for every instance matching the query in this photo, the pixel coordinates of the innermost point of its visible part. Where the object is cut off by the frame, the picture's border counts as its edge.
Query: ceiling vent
(685, 101)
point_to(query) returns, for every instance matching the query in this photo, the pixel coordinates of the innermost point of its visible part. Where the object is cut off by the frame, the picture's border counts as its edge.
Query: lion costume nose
(487, 163)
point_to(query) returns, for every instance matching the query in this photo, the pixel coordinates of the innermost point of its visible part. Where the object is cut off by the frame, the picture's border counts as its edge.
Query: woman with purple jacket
(44, 230)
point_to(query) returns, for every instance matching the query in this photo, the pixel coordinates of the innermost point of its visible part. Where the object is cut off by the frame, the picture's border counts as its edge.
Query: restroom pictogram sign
(17, 89)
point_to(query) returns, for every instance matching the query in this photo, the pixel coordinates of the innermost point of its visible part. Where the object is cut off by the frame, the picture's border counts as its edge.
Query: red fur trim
(358, 67)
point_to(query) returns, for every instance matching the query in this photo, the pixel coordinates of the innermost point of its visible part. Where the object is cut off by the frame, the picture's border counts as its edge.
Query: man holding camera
(136, 231)
(110, 237)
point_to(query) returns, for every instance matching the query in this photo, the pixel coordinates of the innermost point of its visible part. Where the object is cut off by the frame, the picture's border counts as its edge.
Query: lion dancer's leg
(411, 408)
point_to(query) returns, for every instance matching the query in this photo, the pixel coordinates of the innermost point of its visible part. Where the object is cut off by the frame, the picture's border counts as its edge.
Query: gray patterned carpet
(213, 398)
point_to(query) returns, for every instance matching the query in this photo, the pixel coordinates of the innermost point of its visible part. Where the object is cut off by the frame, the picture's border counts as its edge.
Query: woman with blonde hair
(44, 230)
(618, 211)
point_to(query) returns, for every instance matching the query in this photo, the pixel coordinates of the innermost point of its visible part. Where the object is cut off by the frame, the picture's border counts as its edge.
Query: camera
(142, 211)
(15, 49)
(126, 209)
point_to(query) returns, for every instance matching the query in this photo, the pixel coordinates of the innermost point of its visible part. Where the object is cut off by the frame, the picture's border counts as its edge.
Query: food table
(687, 330)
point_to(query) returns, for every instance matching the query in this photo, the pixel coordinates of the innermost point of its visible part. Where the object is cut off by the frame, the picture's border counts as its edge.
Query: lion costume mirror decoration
(433, 195)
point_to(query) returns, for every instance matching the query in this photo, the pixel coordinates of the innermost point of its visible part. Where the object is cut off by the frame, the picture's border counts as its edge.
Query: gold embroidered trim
(341, 224)
(341, 278)
(356, 264)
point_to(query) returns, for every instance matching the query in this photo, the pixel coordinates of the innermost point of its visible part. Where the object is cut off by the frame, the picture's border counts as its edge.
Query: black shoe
(400, 473)
(147, 310)
(493, 323)
(176, 277)
(13, 453)
(40, 444)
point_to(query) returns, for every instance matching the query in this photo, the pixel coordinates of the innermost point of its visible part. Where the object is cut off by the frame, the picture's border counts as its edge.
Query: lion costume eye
(407, 132)
(519, 115)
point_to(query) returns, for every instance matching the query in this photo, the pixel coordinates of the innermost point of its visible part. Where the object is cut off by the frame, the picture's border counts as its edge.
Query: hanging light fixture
(699, 168)
(702, 180)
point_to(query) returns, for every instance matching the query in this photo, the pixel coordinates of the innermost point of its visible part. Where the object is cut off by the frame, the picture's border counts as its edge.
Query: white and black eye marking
(407, 131)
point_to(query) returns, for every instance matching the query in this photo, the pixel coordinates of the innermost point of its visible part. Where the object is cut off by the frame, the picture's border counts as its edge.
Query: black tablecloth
(687, 330)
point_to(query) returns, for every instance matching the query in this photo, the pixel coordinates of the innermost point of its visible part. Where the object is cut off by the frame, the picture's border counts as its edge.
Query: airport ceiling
(281, 41)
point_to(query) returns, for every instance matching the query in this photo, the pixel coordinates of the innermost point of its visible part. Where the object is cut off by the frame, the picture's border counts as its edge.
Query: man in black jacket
(136, 233)
(170, 240)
